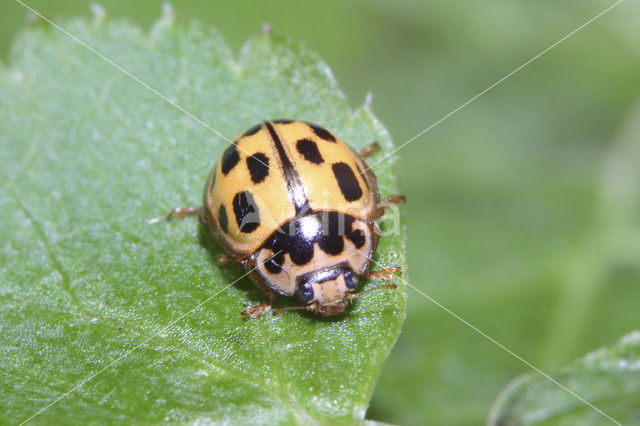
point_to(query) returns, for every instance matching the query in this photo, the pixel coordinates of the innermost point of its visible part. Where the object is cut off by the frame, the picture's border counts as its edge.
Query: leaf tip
(99, 13)
(169, 14)
(33, 17)
(266, 28)
(168, 17)
(368, 100)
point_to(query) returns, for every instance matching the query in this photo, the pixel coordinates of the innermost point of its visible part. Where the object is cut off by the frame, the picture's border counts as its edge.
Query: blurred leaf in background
(514, 218)
(608, 377)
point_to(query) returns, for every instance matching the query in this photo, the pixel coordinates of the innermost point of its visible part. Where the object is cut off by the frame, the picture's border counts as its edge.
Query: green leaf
(141, 315)
(608, 378)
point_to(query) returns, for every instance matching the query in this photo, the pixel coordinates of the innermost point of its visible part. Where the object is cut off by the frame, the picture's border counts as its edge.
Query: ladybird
(296, 207)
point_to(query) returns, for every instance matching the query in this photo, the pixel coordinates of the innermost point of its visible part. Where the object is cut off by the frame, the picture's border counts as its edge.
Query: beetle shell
(291, 199)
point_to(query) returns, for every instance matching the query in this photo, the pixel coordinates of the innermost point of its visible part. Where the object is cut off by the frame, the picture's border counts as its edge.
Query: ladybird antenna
(352, 296)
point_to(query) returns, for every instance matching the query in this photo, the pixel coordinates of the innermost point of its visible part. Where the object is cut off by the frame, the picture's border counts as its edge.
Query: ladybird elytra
(295, 206)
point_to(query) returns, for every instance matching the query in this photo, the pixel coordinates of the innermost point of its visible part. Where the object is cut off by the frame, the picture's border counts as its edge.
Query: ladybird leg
(254, 311)
(369, 149)
(178, 212)
(224, 258)
(181, 212)
(392, 199)
(385, 274)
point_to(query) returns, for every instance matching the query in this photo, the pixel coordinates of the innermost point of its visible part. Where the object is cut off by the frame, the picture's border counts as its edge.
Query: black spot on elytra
(274, 264)
(214, 174)
(309, 150)
(223, 219)
(295, 189)
(282, 121)
(299, 247)
(258, 165)
(322, 132)
(253, 130)
(331, 244)
(290, 239)
(246, 211)
(347, 181)
(230, 158)
(357, 237)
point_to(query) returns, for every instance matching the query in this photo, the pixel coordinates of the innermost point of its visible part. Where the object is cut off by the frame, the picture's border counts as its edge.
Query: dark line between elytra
(294, 183)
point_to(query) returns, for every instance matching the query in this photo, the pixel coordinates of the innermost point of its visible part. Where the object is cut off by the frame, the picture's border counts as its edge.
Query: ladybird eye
(305, 292)
(351, 280)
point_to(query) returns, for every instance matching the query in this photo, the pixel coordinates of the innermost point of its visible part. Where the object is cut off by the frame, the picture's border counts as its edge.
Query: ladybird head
(327, 291)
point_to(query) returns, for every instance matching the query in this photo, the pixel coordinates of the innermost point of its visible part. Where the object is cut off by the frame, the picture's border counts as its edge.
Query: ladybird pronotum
(290, 202)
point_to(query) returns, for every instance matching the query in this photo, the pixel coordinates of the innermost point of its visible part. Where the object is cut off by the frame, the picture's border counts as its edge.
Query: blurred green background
(523, 213)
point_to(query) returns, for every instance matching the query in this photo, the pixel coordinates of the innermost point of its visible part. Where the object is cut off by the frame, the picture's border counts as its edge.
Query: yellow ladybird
(295, 206)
